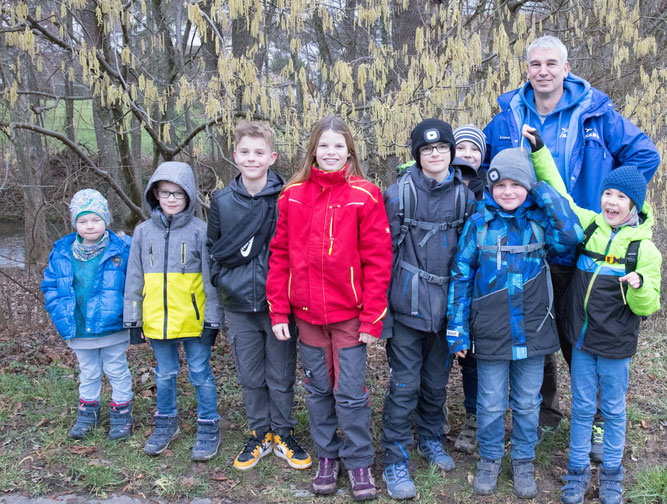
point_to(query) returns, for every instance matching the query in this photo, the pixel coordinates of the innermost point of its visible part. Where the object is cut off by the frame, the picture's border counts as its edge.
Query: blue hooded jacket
(586, 136)
(104, 312)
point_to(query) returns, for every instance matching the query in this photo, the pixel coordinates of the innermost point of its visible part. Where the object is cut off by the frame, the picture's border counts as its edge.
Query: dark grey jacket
(241, 288)
(418, 292)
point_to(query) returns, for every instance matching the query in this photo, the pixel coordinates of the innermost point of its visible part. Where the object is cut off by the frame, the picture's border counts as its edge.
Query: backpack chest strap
(414, 284)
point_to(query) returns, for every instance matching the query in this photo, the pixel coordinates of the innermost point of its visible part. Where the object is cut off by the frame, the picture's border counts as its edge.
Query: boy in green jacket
(616, 281)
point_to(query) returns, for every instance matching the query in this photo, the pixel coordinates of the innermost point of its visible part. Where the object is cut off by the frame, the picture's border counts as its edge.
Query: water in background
(12, 245)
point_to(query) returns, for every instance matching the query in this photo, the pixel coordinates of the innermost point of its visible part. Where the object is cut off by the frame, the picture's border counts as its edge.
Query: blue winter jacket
(104, 313)
(599, 140)
(499, 303)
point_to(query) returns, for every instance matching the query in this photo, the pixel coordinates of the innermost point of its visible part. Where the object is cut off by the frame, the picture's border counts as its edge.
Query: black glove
(208, 336)
(137, 336)
(534, 147)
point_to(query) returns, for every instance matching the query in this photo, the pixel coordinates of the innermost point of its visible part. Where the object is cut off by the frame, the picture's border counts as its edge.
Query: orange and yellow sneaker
(255, 448)
(288, 448)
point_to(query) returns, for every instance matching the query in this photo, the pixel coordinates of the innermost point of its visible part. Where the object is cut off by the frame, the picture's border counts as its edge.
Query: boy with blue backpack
(500, 309)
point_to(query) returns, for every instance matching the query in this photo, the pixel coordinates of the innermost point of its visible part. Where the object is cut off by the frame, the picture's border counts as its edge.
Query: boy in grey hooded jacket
(169, 298)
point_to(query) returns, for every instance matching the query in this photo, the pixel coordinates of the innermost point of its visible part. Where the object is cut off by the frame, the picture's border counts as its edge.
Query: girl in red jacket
(330, 265)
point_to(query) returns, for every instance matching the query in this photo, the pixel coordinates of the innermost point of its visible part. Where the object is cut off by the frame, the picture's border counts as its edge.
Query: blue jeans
(200, 375)
(113, 361)
(525, 380)
(589, 371)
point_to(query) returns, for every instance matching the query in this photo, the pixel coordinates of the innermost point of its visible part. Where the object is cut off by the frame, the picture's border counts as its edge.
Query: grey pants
(334, 362)
(265, 370)
(417, 387)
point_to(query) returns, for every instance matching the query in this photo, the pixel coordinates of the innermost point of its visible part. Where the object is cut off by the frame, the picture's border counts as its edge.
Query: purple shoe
(362, 483)
(325, 478)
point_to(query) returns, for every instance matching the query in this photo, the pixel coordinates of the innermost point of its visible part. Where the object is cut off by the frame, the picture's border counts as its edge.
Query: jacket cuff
(131, 325)
(372, 329)
(211, 325)
(279, 318)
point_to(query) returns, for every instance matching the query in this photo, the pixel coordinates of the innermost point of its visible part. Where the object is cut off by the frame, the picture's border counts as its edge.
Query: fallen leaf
(81, 450)
(219, 477)
(471, 478)
(188, 482)
(645, 424)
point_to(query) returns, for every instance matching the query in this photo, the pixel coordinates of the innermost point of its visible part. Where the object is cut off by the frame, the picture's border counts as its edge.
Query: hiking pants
(334, 362)
(417, 386)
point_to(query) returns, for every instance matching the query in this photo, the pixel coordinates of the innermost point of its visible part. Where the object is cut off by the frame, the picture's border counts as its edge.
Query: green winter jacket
(603, 315)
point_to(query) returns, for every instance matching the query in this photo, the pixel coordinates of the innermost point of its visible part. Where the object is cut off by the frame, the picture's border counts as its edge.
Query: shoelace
(292, 444)
(598, 434)
(251, 444)
(434, 445)
(401, 471)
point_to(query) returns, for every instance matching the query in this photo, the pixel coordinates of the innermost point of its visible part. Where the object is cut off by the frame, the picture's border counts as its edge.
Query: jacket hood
(176, 173)
(575, 90)
(274, 184)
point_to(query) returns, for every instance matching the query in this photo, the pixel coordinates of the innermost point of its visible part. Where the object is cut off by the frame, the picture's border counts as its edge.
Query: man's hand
(461, 353)
(632, 279)
(281, 331)
(369, 339)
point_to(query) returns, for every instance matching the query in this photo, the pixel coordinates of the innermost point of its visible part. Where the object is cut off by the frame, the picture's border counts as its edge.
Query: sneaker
(576, 483)
(597, 438)
(486, 478)
(611, 485)
(432, 450)
(87, 418)
(255, 448)
(362, 483)
(166, 429)
(398, 480)
(523, 474)
(120, 419)
(325, 478)
(208, 440)
(289, 449)
(466, 442)
(544, 432)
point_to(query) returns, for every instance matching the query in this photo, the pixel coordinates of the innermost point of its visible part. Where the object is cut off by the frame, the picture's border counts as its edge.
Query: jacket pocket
(354, 289)
(194, 304)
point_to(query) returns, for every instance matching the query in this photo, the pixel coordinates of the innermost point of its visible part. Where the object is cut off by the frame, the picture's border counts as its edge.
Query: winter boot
(166, 429)
(576, 483)
(486, 478)
(466, 442)
(523, 474)
(611, 485)
(208, 440)
(87, 419)
(120, 418)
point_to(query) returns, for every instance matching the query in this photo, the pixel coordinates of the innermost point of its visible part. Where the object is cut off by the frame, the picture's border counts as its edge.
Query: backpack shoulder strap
(407, 201)
(631, 256)
(581, 246)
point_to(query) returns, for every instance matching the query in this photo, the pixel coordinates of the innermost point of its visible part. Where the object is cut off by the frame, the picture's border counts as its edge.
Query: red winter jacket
(331, 254)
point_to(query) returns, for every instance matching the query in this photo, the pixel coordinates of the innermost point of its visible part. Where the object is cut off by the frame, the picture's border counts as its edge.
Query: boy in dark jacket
(500, 308)
(169, 298)
(83, 289)
(241, 224)
(426, 209)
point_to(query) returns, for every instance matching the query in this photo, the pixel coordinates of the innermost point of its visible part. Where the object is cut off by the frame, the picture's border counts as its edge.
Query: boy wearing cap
(426, 208)
(500, 309)
(83, 291)
(616, 281)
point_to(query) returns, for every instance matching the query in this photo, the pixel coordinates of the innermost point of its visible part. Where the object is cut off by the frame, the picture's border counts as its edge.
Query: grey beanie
(512, 164)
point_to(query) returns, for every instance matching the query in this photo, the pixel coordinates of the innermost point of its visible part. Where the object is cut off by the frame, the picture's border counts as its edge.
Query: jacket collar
(64, 245)
(328, 178)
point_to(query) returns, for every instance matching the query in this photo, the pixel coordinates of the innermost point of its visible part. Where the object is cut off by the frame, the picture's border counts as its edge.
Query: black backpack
(630, 259)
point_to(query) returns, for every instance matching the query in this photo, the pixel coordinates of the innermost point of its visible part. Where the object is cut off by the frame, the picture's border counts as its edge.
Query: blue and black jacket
(500, 297)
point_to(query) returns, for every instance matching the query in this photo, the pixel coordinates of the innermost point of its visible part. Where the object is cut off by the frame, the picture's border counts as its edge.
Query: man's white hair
(548, 42)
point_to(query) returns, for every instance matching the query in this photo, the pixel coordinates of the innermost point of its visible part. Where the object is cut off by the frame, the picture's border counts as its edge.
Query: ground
(38, 398)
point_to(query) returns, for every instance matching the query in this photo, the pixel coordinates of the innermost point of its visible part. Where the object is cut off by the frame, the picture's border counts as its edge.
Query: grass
(38, 398)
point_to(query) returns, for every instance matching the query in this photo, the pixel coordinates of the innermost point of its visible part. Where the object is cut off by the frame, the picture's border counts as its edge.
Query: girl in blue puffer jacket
(83, 291)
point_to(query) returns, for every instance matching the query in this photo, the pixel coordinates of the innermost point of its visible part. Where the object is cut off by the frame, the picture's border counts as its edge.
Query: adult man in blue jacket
(587, 139)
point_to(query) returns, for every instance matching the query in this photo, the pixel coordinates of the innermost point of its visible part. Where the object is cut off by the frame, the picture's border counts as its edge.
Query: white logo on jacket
(245, 250)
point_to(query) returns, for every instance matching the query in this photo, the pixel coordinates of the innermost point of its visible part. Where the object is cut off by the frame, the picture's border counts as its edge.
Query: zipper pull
(622, 292)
